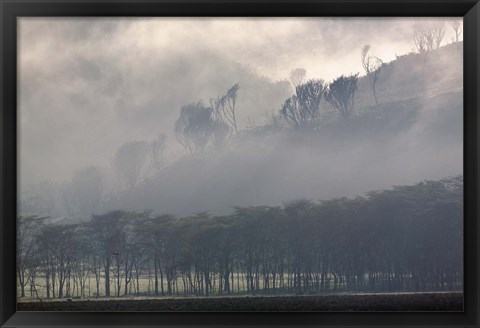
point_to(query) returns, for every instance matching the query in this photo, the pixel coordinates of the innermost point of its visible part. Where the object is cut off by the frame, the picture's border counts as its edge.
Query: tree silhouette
(26, 248)
(107, 230)
(372, 66)
(428, 36)
(224, 109)
(457, 28)
(194, 127)
(407, 238)
(341, 94)
(301, 111)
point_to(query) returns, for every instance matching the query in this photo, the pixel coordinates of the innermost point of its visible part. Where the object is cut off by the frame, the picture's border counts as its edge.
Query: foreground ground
(451, 301)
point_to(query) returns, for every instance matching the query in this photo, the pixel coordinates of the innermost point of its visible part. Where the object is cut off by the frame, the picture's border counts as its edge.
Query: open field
(434, 301)
(145, 288)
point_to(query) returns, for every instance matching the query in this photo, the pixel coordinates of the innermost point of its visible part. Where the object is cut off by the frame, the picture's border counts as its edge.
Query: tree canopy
(404, 238)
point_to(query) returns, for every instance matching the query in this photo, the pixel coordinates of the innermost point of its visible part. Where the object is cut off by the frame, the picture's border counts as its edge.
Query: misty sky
(89, 85)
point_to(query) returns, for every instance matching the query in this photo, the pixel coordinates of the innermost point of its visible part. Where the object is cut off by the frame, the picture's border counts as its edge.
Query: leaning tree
(225, 110)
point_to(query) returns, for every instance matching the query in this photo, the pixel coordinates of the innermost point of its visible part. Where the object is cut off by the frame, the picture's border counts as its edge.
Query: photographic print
(240, 164)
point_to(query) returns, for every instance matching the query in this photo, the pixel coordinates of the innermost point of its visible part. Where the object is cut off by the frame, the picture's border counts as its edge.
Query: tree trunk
(107, 279)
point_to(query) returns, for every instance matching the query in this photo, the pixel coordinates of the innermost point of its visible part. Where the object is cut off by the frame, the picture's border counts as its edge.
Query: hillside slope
(414, 133)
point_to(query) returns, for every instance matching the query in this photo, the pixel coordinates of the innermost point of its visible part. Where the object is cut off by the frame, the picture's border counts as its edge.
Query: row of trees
(198, 124)
(406, 238)
(429, 35)
(302, 110)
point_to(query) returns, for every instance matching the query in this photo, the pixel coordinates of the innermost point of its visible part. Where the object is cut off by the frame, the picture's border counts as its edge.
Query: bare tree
(438, 34)
(60, 242)
(297, 76)
(341, 94)
(27, 228)
(419, 38)
(301, 111)
(194, 127)
(457, 28)
(428, 36)
(129, 160)
(372, 66)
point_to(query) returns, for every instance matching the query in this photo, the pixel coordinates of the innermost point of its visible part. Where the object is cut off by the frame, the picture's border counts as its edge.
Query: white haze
(87, 86)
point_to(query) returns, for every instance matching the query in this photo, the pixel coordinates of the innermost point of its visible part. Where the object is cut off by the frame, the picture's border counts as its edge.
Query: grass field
(437, 301)
(145, 289)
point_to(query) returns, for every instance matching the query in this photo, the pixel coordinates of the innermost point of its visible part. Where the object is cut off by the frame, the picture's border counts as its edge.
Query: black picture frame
(11, 10)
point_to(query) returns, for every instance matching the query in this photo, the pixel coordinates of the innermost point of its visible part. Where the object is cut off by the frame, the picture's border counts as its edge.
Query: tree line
(405, 238)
